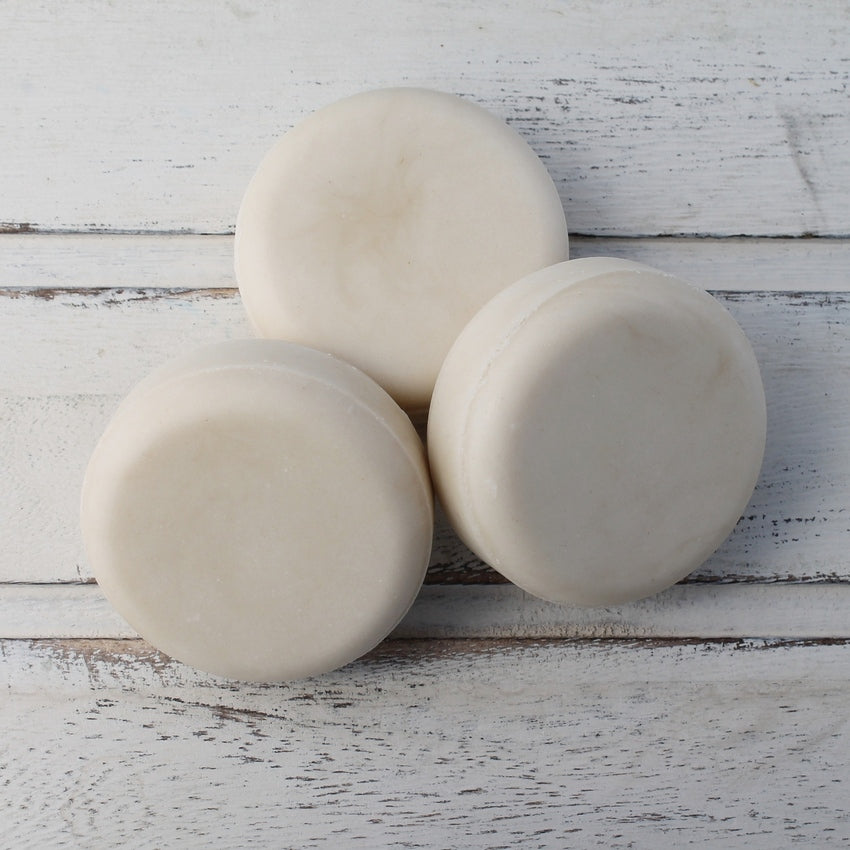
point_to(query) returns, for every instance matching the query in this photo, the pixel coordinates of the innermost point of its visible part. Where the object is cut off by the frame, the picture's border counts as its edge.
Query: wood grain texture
(669, 117)
(71, 354)
(55, 261)
(425, 744)
(686, 611)
(92, 260)
(128, 131)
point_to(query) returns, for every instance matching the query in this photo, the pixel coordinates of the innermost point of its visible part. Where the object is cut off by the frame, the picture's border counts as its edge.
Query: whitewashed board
(710, 140)
(686, 611)
(721, 118)
(71, 354)
(423, 745)
(185, 261)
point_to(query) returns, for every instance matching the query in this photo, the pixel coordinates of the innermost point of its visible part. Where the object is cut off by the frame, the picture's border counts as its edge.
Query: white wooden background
(709, 139)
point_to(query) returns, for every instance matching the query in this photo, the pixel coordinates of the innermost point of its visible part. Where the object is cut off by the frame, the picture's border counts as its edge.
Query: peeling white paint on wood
(781, 610)
(70, 355)
(73, 260)
(483, 745)
(139, 122)
(671, 117)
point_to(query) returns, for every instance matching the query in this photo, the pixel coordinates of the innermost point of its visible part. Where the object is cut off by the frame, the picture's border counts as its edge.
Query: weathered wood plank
(435, 744)
(670, 117)
(54, 261)
(68, 357)
(686, 611)
(663, 118)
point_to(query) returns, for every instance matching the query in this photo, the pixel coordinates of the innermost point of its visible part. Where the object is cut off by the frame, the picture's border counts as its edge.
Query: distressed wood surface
(686, 611)
(93, 260)
(71, 354)
(490, 720)
(485, 745)
(670, 117)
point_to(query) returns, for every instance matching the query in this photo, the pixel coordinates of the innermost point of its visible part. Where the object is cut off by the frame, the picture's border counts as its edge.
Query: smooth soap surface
(378, 226)
(597, 430)
(259, 510)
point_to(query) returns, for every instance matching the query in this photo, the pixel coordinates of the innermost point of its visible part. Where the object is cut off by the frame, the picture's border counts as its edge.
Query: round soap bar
(597, 430)
(377, 227)
(259, 510)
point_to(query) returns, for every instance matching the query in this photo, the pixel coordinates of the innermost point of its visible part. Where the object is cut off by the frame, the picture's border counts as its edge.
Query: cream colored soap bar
(259, 510)
(377, 227)
(597, 430)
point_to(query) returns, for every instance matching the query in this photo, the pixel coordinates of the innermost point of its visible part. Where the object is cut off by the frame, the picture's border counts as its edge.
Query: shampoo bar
(377, 227)
(259, 510)
(597, 430)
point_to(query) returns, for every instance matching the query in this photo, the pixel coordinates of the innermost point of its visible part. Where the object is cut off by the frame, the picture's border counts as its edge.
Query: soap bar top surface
(259, 510)
(379, 225)
(597, 430)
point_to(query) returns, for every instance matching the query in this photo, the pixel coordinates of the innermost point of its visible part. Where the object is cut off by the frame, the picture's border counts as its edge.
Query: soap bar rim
(458, 499)
(176, 371)
(416, 409)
